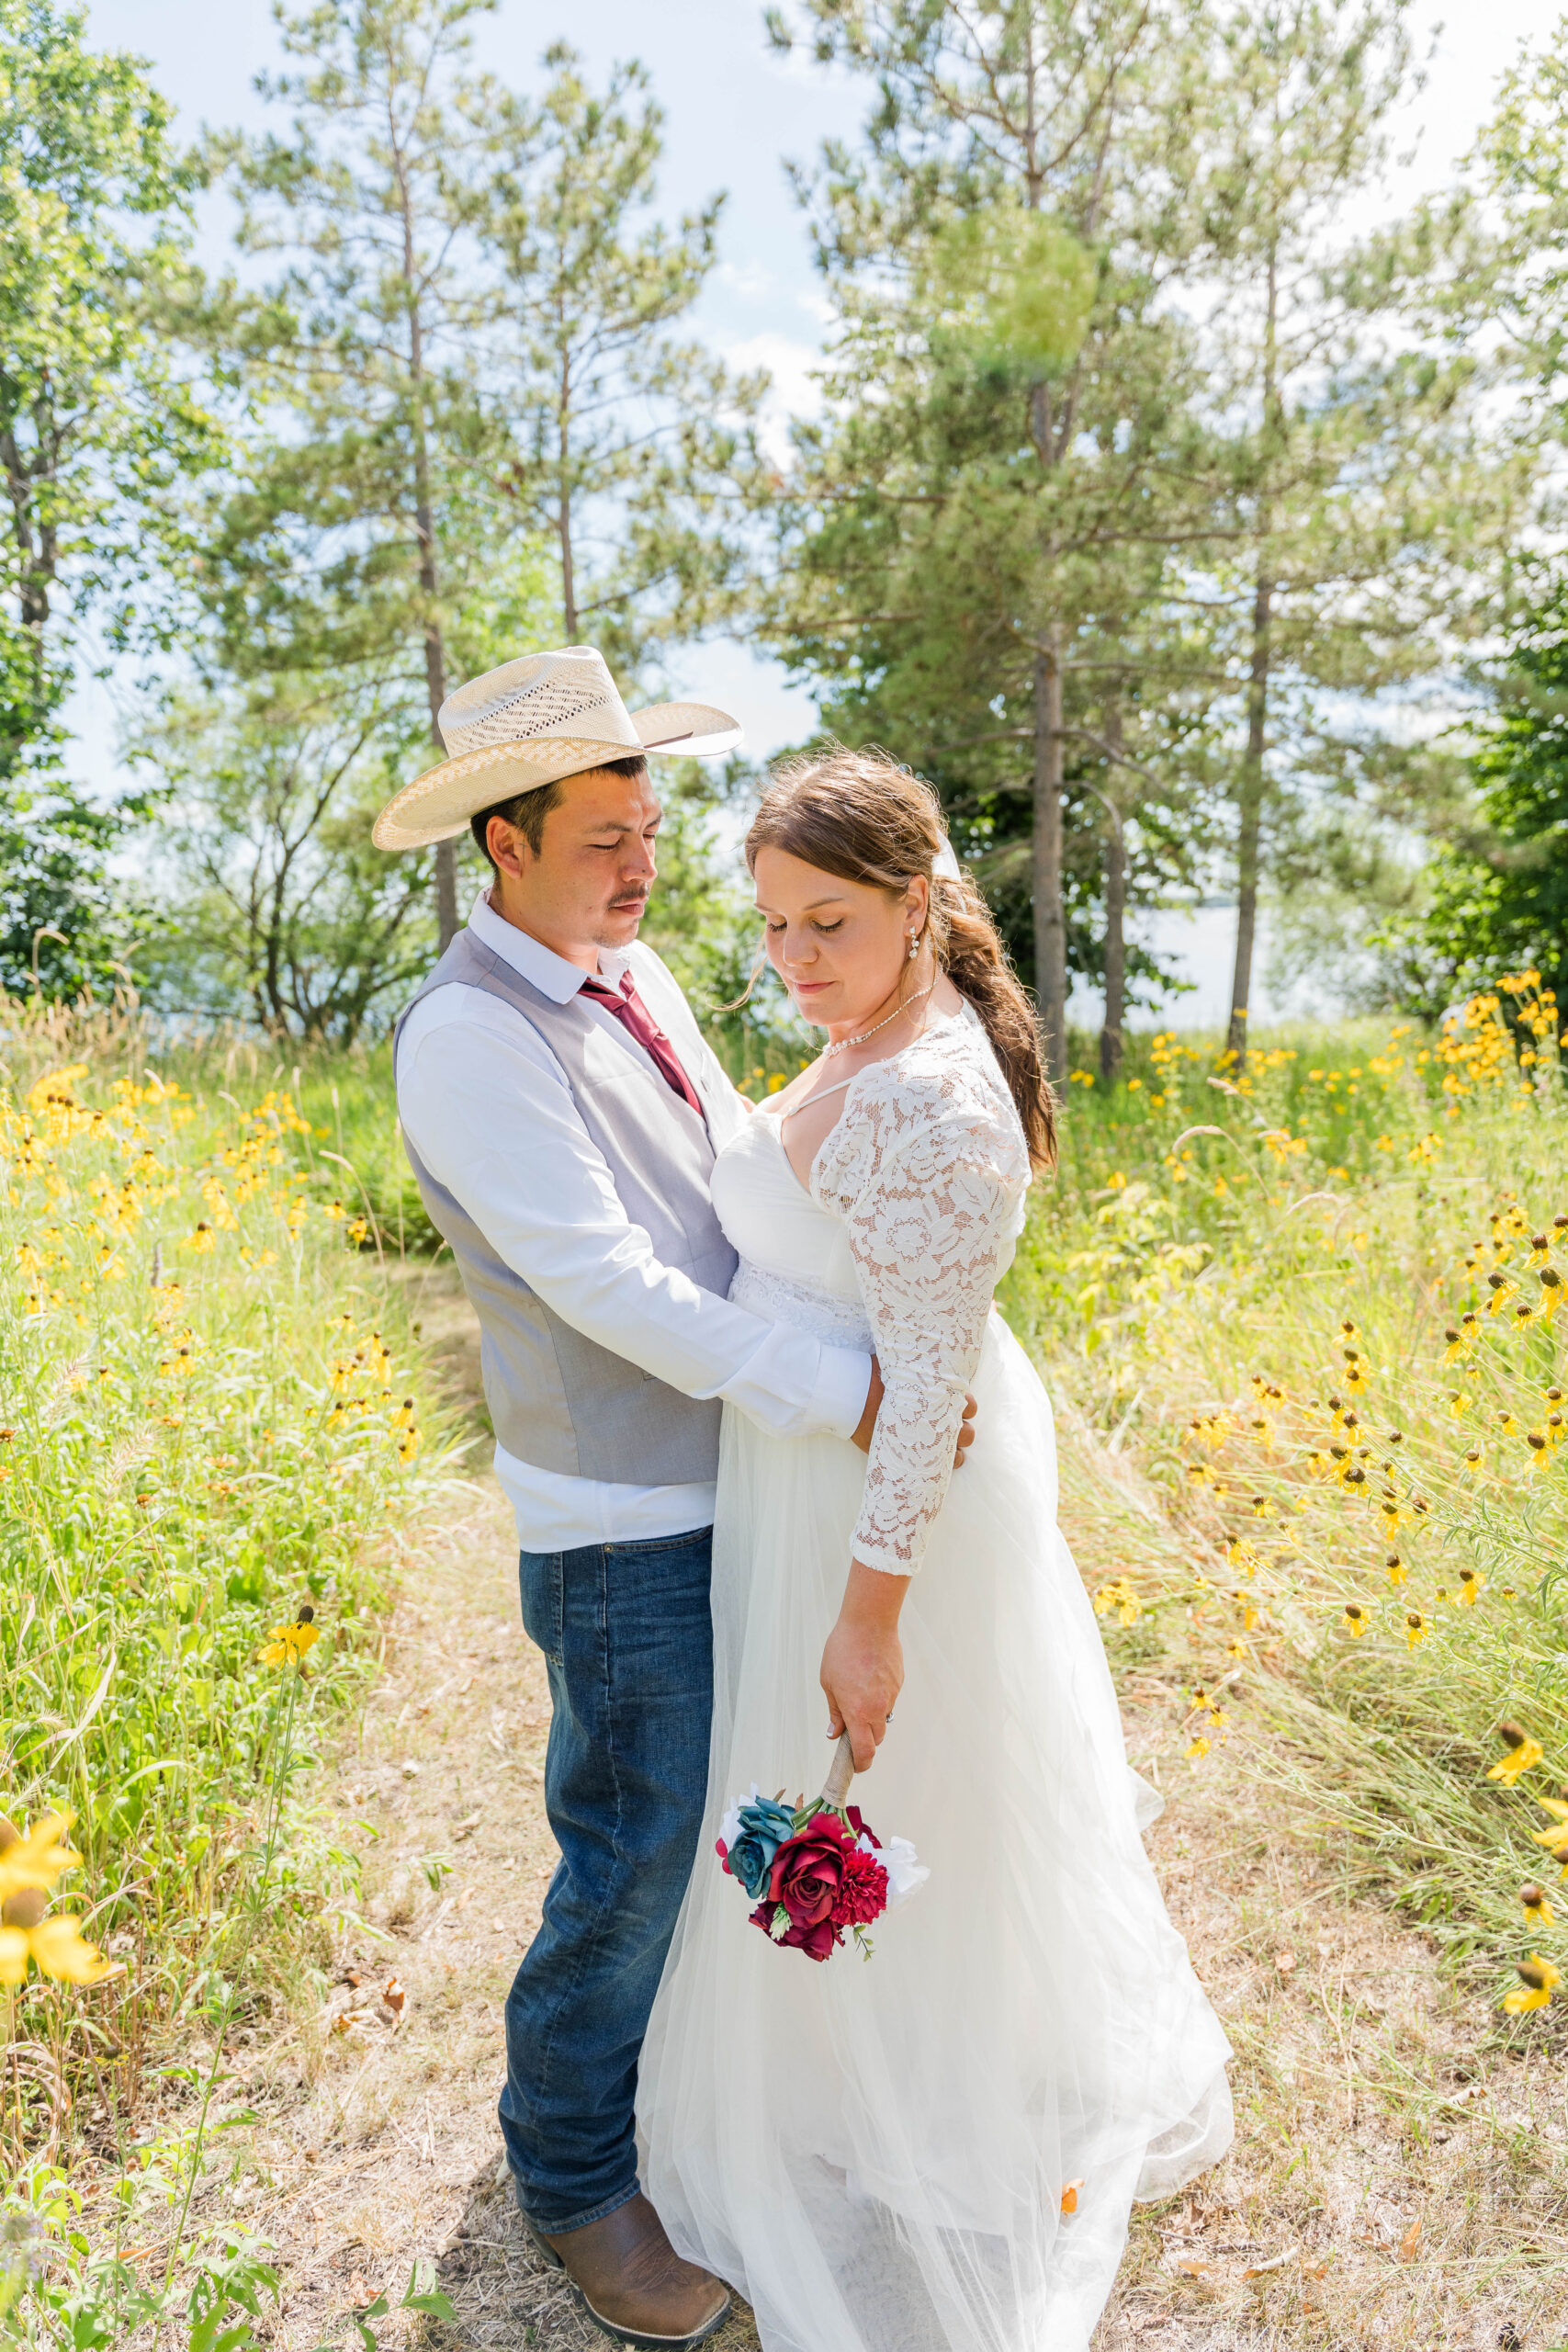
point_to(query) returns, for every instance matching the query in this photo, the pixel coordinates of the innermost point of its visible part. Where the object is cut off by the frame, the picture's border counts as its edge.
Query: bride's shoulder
(944, 1094)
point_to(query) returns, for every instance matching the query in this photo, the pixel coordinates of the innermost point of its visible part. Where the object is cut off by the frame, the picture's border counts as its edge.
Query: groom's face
(587, 886)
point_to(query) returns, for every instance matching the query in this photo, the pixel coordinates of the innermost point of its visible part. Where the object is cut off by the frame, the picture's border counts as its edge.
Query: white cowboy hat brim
(439, 803)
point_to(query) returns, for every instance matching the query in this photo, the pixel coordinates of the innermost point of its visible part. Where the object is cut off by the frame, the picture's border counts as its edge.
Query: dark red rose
(816, 1942)
(808, 1870)
(863, 1891)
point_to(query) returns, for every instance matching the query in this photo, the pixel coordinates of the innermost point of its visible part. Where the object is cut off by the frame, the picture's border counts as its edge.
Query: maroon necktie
(635, 1018)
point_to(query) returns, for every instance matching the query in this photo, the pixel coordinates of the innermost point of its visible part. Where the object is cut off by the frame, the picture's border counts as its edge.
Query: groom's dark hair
(528, 811)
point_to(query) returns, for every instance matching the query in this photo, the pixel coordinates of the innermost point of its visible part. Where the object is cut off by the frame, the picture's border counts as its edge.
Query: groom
(561, 1113)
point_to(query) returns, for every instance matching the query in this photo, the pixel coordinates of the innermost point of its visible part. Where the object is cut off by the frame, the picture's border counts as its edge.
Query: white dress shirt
(482, 1100)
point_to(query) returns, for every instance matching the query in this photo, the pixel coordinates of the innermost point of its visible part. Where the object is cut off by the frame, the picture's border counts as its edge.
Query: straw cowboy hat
(533, 722)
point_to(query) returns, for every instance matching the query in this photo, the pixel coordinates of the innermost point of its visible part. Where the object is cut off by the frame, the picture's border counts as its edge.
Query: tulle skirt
(874, 2152)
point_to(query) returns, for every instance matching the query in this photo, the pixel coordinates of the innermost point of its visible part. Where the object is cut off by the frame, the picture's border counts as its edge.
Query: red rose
(816, 1942)
(808, 1870)
(863, 1891)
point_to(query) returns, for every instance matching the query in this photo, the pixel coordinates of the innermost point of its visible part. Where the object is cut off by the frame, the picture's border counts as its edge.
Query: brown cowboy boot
(633, 2282)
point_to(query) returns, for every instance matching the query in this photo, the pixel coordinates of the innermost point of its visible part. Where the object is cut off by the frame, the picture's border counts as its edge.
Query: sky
(735, 111)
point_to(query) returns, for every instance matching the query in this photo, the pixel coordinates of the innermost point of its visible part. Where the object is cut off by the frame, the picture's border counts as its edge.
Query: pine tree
(628, 449)
(364, 535)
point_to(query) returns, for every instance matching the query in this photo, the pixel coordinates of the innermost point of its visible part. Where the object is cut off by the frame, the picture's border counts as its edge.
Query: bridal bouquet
(816, 1872)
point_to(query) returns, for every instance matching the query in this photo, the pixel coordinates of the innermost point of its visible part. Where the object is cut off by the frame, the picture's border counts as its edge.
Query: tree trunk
(1115, 918)
(1249, 799)
(429, 582)
(1050, 920)
(563, 508)
(1249, 825)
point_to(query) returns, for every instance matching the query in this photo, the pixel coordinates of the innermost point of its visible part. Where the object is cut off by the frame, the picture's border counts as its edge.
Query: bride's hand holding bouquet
(863, 1664)
(818, 1872)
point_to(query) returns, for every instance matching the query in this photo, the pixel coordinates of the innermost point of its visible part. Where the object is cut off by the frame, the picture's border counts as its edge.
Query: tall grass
(1318, 1305)
(211, 1419)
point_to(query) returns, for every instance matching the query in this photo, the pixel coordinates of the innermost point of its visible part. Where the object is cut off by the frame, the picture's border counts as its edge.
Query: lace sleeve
(926, 1170)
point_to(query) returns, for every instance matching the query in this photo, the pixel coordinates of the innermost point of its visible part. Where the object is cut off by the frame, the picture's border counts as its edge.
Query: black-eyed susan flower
(1236, 1647)
(1538, 1979)
(1395, 1568)
(1554, 1837)
(31, 1864)
(1551, 1294)
(1355, 1618)
(1461, 1337)
(201, 1239)
(56, 1946)
(1196, 1749)
(1416, 1627)
(1524, 1754)
(1540, 1446)
(1537, 1909)
(1471, 1586)
(1458, 1403)
(289, 1643)
(1474, 1462)
(1503, 1289)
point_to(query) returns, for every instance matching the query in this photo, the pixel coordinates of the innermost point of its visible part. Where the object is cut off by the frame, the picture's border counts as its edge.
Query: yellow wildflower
(1395, 1568)
(57, 1948)
(289, 1643)
(1197, 1749)
(34, 1862)
(1458, 1403)
(1538, 1910)
(1524, 1755)
(1416, 1627)
(201, 1239)
(1534, 1992)
(1461, 1337)
(1471, 1586)
(1355, 1620)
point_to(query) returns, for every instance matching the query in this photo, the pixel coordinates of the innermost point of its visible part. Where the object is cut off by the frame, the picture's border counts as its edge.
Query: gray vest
(557, 1399)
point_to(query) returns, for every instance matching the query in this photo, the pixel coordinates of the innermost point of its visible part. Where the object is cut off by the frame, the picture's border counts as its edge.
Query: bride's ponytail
(859, 816)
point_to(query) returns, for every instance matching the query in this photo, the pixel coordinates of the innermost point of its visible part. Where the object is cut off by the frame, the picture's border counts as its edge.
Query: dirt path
(1398, 2176)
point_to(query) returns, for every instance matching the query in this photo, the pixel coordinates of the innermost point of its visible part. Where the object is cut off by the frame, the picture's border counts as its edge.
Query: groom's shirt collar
(539, 965)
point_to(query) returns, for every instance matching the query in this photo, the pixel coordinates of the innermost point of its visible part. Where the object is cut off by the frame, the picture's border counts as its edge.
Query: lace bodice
(916, 1200)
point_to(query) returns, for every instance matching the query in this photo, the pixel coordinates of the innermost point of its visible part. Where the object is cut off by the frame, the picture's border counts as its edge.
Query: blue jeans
(627, 1636)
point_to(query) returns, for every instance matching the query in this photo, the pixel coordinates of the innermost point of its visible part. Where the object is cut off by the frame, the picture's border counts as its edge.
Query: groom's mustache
(630, 898)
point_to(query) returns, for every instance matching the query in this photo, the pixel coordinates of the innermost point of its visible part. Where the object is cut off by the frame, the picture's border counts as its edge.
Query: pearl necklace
(845, 1042)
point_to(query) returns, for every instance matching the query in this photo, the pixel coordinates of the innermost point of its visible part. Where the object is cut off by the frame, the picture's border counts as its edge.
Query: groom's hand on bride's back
(874, 1397)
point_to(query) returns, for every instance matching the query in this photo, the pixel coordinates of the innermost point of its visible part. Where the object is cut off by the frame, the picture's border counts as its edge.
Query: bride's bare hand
(863, 1664)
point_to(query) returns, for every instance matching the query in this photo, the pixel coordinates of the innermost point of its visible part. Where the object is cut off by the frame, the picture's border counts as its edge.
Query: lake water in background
(1201, 942)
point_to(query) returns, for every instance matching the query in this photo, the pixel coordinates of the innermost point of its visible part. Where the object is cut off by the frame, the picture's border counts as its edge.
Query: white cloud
(794, 392)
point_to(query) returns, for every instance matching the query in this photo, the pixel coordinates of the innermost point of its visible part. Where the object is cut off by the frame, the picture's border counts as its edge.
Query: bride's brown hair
(859, 816)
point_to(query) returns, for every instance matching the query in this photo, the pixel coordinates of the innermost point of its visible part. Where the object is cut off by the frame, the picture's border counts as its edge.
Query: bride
(936, 2151)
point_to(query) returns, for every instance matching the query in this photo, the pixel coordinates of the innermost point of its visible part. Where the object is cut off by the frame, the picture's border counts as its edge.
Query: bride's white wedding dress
(875, 2152)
